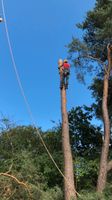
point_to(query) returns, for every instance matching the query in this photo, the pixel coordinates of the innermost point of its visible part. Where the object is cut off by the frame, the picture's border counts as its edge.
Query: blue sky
(39, 31)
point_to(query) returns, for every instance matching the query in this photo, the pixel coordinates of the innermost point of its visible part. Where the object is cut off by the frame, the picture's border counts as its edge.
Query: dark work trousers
(65, 78)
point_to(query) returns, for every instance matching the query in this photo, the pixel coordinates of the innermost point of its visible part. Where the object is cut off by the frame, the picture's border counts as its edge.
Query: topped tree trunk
(69, 185)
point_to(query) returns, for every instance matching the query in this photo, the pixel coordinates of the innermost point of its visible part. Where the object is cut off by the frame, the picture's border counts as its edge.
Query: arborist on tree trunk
(64, 69)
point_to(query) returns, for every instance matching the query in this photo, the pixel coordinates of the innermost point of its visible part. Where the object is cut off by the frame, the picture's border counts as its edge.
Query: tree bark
(104, 166)
(105, 148)
(69, 185)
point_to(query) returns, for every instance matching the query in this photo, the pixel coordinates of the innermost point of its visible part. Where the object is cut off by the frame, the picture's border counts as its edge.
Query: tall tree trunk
(105, 149)
(104, 165)
(69, 185)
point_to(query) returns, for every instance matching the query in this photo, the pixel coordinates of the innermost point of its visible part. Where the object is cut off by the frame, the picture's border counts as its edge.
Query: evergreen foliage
(92, 48)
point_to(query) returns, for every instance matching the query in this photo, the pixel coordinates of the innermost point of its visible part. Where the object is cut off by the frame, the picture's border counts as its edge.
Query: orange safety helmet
(65, 61)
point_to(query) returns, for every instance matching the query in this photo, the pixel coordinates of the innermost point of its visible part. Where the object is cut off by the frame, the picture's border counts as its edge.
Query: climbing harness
(64, 76)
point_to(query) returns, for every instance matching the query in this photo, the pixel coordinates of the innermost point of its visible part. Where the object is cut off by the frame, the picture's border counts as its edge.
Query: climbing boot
(61, 87)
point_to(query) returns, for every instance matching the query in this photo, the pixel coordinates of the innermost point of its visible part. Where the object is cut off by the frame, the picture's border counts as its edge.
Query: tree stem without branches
(69, 184)
(68, 160)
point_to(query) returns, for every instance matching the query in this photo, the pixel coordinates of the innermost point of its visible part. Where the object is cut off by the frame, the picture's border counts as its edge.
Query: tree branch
(95, 59)
(16, 180)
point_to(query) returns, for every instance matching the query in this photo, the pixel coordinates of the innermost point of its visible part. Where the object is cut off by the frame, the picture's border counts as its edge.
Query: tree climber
(65, 74)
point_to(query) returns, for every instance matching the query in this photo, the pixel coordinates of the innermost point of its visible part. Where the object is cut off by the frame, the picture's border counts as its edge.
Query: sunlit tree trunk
(105, 148)
(104, 167)
(69, 185)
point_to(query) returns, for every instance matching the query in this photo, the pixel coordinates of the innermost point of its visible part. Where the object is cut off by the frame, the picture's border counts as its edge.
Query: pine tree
(94, 53)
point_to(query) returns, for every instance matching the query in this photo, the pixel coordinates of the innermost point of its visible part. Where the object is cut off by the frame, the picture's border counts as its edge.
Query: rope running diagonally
(24, 96)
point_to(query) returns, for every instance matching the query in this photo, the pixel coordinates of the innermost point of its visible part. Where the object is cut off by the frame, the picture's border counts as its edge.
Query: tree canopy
(92, 47)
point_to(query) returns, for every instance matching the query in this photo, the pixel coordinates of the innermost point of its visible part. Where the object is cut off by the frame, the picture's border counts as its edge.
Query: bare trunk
(105, 149)
(104, 165)
(69, 185)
